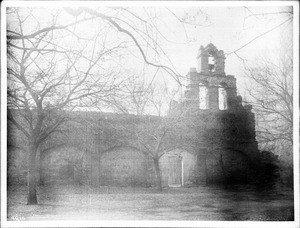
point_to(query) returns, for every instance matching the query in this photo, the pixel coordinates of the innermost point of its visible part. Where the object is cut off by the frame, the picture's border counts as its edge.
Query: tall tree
(45, 81)
(56, 65)
(271, 95)
(156, 136)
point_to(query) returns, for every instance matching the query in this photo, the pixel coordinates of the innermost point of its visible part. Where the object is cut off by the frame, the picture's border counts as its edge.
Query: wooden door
(175, 171)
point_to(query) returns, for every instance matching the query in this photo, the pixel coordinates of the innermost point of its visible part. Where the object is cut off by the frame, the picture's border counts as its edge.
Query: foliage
(268, 170)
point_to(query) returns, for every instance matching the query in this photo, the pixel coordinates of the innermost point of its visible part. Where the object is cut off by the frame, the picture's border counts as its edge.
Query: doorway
(175, 171)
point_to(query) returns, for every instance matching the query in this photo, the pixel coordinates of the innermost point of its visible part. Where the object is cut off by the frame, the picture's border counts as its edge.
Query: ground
(112, 203)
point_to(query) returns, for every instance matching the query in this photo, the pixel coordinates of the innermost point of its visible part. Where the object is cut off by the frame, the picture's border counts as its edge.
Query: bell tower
(211, 96)
(211, 61)
(210, 88)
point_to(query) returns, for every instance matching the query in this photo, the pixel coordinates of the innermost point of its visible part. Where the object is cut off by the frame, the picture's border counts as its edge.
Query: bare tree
(156, 136)
(162, 97)
(179, 130)
(134, 96)
(285, 14)
(271, 95)
(139, 97)
(45, 82)
(54, 68)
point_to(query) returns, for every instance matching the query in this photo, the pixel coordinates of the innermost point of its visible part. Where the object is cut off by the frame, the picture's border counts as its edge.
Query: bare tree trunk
(158, 174)
(32, 196)
(42, 169)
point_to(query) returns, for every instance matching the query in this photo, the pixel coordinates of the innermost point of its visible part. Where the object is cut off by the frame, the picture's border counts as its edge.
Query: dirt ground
(111, 203)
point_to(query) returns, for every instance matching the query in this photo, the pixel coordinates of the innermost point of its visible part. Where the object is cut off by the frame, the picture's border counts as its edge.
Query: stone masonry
(224, 145)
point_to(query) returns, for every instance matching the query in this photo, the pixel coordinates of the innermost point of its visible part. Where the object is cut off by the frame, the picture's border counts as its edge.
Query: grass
(60, 202)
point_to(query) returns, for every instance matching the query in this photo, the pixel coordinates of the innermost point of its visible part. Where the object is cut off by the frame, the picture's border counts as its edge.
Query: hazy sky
(227, 27)
(231, 28)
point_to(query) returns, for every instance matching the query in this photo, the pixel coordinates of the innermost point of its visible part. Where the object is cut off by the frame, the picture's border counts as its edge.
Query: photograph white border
(101, 223)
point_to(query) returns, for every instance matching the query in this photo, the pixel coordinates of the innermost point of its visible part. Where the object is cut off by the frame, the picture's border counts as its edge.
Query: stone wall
(100, 149)
(125, 166)
(103, 148)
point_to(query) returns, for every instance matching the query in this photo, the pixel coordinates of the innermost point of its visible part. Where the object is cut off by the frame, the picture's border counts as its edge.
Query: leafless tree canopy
(272, 98)
(56, 65)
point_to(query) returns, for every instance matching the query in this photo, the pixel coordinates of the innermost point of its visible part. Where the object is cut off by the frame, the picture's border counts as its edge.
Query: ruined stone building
(102, 148)
(229, 143)
(210, 88)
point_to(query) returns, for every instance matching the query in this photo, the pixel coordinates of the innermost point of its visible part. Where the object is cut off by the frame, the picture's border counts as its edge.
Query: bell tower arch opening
(222, 93)
(203, 95)
(211, 63)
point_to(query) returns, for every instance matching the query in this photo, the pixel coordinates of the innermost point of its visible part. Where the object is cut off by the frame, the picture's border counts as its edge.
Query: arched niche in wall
(203, 95)
(223, 103)
(125, 166)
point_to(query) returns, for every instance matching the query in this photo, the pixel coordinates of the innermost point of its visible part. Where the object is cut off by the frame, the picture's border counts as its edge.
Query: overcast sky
(228, 28)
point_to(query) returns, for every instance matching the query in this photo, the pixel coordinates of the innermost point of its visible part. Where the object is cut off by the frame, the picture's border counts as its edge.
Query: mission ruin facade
(102, 148)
